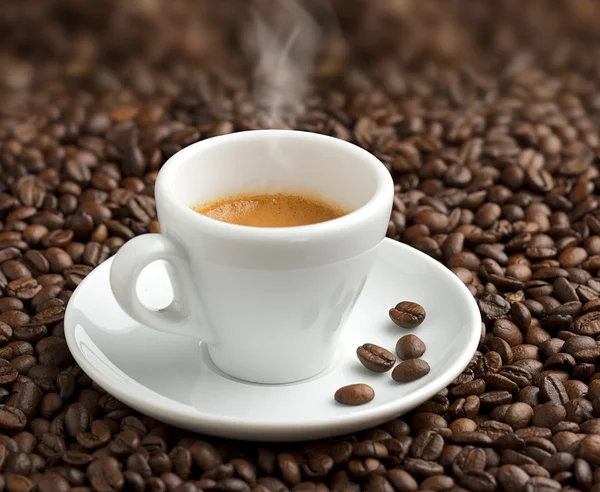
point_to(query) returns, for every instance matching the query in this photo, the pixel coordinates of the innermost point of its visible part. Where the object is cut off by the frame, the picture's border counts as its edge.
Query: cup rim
(384, 189)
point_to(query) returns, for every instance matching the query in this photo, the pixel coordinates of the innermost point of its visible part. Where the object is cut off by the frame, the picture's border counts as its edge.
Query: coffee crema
(274, 210)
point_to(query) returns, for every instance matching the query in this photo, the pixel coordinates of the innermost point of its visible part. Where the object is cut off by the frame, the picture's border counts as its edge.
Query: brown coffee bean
(12, 419)
(18, 483)
(124, 444)
(589, 449)
(549, 414)
(26, 398)
(435, 222)
(410, 370)
(552, 389)
(24, 288)
(493, 307)
(77, 419)
(500, 382)
(104, 474)
(98, 436)
(402, 480)
(375, 358)
(410, 347)
(583, 473)
(53, 482)
(427, 445)
(14, 270)
(508, 331)
(407, 314)
(502, 348)
(354, 394)
(8, 373)
(588, 324)
(572, 257)
(473, 387)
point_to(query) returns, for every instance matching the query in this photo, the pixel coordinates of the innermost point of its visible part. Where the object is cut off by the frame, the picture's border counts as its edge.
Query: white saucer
(172, 379)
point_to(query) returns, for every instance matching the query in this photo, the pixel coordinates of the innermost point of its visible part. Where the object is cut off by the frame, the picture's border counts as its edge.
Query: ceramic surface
(172, 379)
(253, 293)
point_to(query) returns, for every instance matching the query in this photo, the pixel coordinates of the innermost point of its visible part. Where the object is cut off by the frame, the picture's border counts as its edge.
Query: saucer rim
(362, 417)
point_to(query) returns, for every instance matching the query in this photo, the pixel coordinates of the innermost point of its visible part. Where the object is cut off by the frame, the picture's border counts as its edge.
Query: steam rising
(286, 37)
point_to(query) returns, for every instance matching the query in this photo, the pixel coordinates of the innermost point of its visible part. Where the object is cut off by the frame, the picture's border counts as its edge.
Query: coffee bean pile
(485, 113)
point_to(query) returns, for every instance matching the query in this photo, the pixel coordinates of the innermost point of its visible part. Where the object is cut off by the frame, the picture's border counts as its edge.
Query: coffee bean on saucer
(410, 347)
(354, 394)
(375, 358)
(410, 370)
(407, 314)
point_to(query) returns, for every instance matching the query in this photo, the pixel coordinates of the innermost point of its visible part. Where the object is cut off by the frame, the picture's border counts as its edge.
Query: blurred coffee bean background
(77, 37)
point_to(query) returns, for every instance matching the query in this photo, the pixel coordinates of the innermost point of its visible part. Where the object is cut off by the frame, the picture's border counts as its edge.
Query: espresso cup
(269, 303)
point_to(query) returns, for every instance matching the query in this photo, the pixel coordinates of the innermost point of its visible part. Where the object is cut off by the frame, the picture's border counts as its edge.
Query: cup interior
(272, 161)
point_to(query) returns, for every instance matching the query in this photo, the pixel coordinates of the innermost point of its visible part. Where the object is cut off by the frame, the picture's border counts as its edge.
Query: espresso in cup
(273, 210)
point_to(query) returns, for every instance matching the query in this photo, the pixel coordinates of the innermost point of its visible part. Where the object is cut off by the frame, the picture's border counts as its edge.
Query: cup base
(233, 375)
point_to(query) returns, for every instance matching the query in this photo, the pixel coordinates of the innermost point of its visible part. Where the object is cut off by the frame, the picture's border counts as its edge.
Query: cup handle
(180, 317)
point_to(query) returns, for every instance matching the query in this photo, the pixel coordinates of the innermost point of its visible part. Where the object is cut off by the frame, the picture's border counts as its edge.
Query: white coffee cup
(270, 303)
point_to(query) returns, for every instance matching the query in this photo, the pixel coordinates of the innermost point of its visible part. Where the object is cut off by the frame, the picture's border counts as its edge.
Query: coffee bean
(52, 481)
(51, 446)
(542, 483)
(104, 474)
(12, 419)
(427, 445)
(479, 481)
(552, 389)
(493, 307)
(583, 473)
(402, 480)
(354, 394)
(24, 288)
(18, 483)
(502, 348)
(473, 387)
(548, 414)
(77, 419)
(410, 347)
(375, 358)
(410, 370)
(407, 314)
(512, 477)
(508, 331)
(26, 397)
(589, 449)
(588, 324)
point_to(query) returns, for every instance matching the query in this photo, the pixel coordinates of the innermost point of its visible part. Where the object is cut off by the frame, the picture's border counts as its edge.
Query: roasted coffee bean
(493, 307)
(104, 474)
(26, 397)
(407, 314)
(12, 419)
(410, 370)
(502, 348)
(552, 389)
(410, 347)
(354, 394)
(375, 358)
(402, 480)
(473, 387)
(427, 445)
(508, 331)
(589, 449)
(52, 481)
